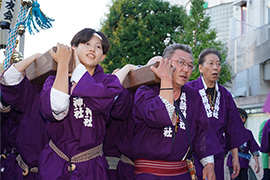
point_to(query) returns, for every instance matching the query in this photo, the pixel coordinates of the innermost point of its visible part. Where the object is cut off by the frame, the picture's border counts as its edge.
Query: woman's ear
(102, 57)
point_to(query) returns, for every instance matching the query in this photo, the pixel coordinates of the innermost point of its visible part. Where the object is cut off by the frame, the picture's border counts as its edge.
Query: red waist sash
(160, 168)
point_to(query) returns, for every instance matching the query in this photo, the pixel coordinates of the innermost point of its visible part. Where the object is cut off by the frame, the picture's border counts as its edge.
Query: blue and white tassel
(36, 18)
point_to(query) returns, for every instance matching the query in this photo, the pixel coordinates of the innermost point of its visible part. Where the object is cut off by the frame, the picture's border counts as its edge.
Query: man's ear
(200, 68)
(102, 57)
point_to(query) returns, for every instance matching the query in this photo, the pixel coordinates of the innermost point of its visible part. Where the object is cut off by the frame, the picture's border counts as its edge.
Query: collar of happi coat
(168, 131)
(207, 107)
(183, 103)
(205, 86)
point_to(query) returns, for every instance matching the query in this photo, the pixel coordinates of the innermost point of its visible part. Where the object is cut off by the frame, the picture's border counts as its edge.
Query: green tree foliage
(198, 35)
(139, 30)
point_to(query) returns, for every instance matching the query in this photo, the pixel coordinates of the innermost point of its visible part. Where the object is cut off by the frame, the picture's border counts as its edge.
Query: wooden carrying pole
(141, 76)
(45, 66)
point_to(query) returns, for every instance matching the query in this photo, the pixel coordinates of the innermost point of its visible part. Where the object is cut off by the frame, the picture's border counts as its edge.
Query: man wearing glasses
(170, 122)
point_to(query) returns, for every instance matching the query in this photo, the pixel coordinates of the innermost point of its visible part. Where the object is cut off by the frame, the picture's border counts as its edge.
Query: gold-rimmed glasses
(183, 63)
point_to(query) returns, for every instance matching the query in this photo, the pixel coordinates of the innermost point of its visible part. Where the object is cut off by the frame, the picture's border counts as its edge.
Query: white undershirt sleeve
(206, 160)
(78, 73)
(59, 103)
(60, 100)
(12, 76)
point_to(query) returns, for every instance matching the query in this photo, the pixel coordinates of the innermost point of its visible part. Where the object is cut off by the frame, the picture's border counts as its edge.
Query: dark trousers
(243, 174)
(266, 174)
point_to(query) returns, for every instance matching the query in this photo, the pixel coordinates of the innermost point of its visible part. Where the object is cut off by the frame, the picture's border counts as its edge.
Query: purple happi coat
(266, 107)
(4, 132)
(224, 118)
(11, 124)
(31, 135)
(82, 129)
(125, 171)
(154, 138)
(122, 110)
(249, 146)
(5, 129)
(265, 142)
(116, 127)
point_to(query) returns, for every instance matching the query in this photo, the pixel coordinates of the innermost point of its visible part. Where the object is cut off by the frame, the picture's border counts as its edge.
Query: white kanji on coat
(182, 125)
(81, 111)
(78, 109)
(88, 118)
(167, 132)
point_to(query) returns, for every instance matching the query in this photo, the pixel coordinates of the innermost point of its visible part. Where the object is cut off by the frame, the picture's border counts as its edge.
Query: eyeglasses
(183, 63)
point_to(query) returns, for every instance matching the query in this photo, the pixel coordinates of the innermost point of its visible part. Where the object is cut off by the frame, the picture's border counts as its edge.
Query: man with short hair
(170, 121)
(220, 109)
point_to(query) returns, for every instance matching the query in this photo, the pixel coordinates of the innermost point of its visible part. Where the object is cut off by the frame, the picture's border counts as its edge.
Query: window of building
(268, 7)
(244, 18)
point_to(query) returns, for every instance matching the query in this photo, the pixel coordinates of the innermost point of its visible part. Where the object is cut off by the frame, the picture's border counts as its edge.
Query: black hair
(86, 34)
(207, 51)
(242, 113)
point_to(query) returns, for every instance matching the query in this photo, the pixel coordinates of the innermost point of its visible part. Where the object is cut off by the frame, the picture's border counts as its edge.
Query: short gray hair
(169, 50)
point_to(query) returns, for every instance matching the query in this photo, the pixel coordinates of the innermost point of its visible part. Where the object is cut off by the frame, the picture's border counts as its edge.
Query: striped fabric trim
(24, 166)
(81, 157)
(160, 168)
(126, 160)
